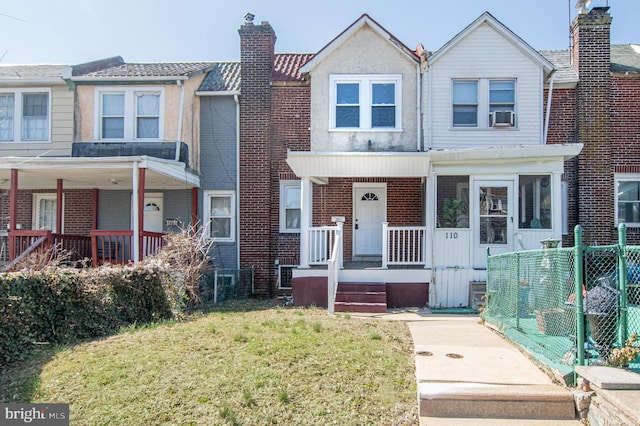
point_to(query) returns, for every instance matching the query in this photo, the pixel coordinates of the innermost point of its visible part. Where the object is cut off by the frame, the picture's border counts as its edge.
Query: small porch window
(290, 192)
(628, 200)
(452, 201)
(534, 200)
(44, 212)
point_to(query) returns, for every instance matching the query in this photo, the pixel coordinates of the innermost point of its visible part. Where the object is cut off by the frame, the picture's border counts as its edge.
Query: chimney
(257, 43)
(591, 54)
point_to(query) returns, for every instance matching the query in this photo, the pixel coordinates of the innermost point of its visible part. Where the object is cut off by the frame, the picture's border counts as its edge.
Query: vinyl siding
(484, 54)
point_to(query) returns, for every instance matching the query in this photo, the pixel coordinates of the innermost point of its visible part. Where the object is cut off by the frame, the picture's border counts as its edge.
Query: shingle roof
(31, 71)
(224, 77)
(625, 58)
(561, 60)
(286, 66)
(166, 69)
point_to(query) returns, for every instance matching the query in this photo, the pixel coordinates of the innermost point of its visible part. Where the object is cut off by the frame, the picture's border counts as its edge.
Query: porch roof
(95, 172)
(319, 166)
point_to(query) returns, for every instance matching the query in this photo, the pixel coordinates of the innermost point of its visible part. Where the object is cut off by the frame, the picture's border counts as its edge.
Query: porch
(102, 246)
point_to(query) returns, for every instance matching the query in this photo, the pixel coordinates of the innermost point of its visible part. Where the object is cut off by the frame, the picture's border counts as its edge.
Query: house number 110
(451, 235)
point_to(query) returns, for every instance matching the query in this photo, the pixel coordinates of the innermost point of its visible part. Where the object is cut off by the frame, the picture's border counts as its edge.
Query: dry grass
(259, 367)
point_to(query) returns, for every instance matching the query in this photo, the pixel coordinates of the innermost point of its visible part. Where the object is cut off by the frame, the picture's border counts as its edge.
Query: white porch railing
(403, 245)
(321, 240)
(334, 265)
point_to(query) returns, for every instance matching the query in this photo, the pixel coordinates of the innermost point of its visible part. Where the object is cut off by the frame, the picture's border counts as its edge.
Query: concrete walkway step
(483, 400)
(467, 421)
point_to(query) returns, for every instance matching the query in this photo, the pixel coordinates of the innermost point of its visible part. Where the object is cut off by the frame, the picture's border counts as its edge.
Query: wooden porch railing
(24, 242)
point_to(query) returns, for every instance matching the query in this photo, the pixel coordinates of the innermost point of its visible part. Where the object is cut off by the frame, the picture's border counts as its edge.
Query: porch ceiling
(323, 165)
(113, 173)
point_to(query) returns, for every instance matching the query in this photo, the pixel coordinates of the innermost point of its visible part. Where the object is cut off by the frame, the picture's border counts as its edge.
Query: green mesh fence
(531, 297)
(226, 284)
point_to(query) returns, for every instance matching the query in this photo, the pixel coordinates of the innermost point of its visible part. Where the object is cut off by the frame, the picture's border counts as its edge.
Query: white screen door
(493, 224)
(369, 211)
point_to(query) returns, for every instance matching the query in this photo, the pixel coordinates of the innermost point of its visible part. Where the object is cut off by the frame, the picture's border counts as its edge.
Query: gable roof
(365, 19)
(509, 35)
(115, 69)
(561, 60)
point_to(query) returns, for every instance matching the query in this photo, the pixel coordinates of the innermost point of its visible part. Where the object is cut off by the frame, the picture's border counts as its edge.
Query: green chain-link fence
(222, 285)
(531, 297)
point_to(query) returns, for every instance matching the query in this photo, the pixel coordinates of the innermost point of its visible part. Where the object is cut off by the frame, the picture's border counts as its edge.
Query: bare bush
(187, 255)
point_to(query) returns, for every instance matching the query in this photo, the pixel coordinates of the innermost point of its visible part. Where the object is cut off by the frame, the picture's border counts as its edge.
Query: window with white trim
(627, 201)
(290, 192)
(129, 114)
(474, 99)
(25, 115)
(366, 102)
(219, 215)
(44, 211)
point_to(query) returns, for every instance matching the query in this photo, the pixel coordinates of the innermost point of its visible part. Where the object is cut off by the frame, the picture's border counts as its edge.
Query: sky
(78, 31)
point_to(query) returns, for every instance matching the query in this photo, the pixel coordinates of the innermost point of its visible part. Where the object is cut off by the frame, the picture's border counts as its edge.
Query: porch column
(142, 171)
(194, 207)
(135, 201)
(13, 211)
(59, 206)
(385, 245)
(96, 205)
(305, 221)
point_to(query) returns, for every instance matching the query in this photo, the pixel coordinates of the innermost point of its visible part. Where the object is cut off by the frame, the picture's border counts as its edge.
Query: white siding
(365, 52)
(483, 54)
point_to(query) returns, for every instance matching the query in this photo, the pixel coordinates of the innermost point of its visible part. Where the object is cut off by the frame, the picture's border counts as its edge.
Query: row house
(420, 163)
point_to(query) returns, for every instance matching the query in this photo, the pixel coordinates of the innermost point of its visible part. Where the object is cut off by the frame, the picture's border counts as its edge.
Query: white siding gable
(365, 52)
(483, 54)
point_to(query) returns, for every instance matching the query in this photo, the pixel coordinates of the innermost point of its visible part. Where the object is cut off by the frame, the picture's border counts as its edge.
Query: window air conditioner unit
(501, 118)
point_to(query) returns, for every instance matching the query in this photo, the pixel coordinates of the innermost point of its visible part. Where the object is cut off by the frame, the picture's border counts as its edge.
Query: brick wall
(591, 38)
(256, 55)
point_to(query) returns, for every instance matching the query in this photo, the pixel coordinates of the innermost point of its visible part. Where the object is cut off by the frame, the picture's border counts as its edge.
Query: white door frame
(156, 197)
(382, 189)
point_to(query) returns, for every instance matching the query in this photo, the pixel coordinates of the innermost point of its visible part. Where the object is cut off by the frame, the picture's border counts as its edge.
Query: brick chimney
(257, 44)
(591, 59)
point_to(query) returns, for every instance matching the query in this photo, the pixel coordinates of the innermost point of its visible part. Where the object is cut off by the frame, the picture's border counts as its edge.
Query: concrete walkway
(457, 354)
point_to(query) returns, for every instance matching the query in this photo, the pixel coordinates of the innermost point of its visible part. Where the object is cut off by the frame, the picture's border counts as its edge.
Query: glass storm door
(493, 219)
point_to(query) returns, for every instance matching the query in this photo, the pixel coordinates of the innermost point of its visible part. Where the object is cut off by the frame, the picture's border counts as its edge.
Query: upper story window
(472, 100)
(628, 200)
(366, 102)
(130, 114)
(24, 115)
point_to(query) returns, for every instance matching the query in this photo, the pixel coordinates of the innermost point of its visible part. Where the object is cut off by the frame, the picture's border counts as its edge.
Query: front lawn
(240, 367)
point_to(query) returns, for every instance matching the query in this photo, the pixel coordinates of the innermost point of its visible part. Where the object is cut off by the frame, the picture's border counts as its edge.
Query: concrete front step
(361, 297)
(483, 400)
(360, 307)
(468, 421)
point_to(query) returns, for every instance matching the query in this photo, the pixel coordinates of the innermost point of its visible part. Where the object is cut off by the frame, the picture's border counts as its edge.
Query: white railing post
(341, 249)
(385, 245)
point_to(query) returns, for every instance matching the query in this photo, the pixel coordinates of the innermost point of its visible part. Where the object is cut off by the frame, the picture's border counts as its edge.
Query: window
(129, 114)
(534, 202)
(465, 103)
(24, 116)
(219, 212)
(290, 193)
(494, 99)
(44, 211)
(453, 202)
(366, 102)
(628, 200)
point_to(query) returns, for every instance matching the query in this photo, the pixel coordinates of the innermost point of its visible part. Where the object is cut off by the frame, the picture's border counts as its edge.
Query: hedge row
(66, 305)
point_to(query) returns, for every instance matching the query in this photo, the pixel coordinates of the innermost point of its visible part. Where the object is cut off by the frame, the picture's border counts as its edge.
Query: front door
(493, 219)
(153, 212)
(369, 211)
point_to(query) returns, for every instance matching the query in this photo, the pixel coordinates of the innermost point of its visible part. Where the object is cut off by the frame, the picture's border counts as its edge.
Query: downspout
(429, 109)
(180, 118)
(549, 96)
(418, 108)
(237, 101)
